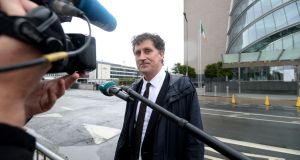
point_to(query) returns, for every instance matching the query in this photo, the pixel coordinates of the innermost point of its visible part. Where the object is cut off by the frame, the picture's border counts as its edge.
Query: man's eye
(147, 51)
(137, 53)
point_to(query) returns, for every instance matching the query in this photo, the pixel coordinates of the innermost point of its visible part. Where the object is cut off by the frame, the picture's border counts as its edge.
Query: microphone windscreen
(97, 14)
(104, 87)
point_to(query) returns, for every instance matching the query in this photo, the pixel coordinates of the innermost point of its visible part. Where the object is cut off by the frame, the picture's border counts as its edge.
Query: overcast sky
(164, 17)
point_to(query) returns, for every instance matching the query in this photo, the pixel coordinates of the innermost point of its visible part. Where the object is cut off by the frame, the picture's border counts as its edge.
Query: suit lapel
(160, 101)
(133, 106)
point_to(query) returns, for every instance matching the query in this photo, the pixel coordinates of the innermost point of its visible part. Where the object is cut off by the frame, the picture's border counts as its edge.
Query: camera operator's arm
(46, 93)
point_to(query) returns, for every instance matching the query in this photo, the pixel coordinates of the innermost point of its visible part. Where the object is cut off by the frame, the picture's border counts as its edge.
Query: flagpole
(200, 54)
(201, 57)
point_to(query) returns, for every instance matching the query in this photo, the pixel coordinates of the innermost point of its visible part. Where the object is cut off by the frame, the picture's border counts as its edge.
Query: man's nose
(142, 56)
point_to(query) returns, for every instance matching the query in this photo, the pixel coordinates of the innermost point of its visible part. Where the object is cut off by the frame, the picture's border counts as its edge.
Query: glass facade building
(264, 39)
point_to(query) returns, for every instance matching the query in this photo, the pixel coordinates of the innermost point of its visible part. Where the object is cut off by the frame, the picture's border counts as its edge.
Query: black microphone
(96, 13)
(109, 88)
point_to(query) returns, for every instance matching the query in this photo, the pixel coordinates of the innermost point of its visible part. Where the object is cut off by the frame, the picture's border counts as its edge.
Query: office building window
(296, 38)
(266, 5)
(260, 29)
(276, 3)
(257, 9)
(269, 23)
(292, 13)
(287, 42)
(252, 34)
(280, 20)
(278, 45)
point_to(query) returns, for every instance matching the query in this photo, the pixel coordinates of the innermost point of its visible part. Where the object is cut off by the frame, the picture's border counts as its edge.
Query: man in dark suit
(145, 133)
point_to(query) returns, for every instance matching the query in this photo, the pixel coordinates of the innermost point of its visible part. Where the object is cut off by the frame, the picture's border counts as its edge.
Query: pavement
(246, 98)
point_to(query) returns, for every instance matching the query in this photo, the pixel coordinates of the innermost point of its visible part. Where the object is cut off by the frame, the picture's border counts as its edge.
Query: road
(85, 124)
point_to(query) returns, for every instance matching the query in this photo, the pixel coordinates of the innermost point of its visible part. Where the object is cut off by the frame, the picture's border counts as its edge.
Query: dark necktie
(140, 123)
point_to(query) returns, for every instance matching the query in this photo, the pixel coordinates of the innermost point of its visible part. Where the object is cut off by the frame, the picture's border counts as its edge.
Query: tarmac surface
(85, 124)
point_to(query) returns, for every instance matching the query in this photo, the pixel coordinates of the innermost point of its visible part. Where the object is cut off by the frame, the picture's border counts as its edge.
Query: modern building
(262, 41)
(213, 15)
(104, 71)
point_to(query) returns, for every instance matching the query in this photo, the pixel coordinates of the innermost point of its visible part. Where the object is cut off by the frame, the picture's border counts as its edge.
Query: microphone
(96, 13)
(109, 88)
(190, 128)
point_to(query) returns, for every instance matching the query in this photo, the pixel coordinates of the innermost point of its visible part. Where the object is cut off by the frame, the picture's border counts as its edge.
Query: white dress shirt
(156, 84)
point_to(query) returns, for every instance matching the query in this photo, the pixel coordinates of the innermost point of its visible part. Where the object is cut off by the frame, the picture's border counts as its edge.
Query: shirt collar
(157, 79)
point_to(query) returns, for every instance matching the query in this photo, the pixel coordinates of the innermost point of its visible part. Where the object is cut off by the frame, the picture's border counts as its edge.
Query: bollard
(233, 100)
(227, 91)
(215, 90)
(298, 104)
(267, 103)
(204, 90)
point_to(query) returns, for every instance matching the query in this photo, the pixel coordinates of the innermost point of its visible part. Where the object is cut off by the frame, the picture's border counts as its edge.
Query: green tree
(126, 81)
(181, 69)
(216, 70)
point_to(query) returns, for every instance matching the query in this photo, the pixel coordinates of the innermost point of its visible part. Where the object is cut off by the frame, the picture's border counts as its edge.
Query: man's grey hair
(158, 42)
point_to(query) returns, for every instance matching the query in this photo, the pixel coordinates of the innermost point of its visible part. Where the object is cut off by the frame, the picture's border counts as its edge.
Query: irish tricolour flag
(202, 32)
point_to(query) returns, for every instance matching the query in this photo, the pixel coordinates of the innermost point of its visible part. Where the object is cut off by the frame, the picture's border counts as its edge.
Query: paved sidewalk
(256, 99)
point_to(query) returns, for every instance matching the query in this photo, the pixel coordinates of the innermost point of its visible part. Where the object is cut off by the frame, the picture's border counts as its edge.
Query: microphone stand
(196, 132)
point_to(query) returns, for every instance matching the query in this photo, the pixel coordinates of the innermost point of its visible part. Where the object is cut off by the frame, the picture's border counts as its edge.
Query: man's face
(148, 58)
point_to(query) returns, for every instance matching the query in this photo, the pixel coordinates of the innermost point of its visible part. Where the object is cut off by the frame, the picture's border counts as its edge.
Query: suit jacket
(164, 140)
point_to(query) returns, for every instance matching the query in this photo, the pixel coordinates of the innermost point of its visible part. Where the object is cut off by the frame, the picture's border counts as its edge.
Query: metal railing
(43, 153)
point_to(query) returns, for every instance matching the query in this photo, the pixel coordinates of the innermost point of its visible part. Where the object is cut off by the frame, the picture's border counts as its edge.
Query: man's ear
(162, 54)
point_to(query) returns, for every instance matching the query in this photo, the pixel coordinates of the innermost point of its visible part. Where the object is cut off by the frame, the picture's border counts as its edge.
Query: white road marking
(258, 119)
(249, 154)
(247, 113)
(212, 158)
(101, 133)
(50, 115)
(297, 122)
(263, 156)
(233, 115)
(67, 108)
(260, 146)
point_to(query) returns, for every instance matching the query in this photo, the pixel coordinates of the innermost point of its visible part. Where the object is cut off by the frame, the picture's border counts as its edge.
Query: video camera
(41, 28)
(83, 61)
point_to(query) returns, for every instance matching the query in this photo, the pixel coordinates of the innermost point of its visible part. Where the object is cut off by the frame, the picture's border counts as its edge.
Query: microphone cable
(52, 57)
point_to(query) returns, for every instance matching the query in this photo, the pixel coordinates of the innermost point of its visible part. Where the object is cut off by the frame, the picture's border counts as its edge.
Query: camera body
(84, 61)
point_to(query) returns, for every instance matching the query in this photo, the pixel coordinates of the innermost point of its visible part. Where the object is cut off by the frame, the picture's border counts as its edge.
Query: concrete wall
(262, 87)
(83, 86)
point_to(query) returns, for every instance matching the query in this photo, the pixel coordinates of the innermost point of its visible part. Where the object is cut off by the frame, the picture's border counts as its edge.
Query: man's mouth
(143, 64)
